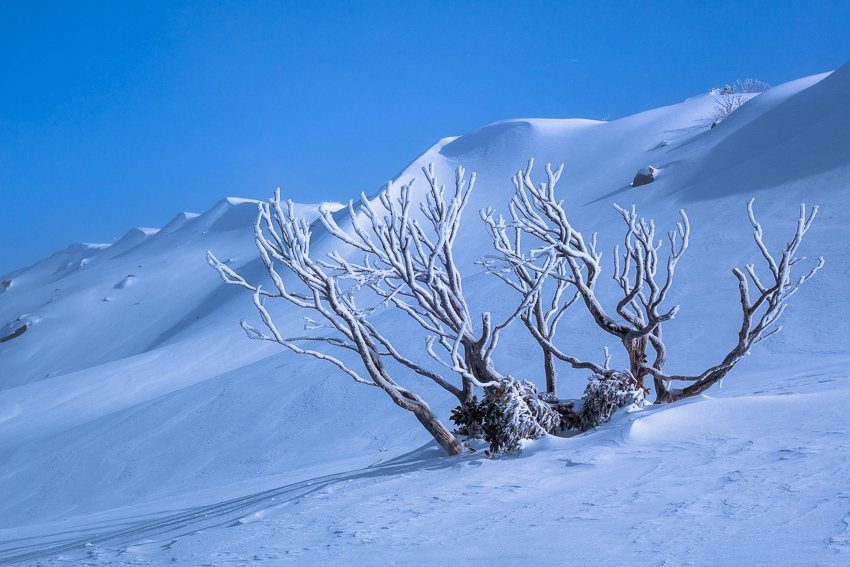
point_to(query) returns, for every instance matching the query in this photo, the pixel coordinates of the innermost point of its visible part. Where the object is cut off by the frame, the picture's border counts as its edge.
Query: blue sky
(121, 114)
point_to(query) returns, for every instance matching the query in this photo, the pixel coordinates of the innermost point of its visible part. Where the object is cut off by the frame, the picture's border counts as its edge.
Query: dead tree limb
(526, 273)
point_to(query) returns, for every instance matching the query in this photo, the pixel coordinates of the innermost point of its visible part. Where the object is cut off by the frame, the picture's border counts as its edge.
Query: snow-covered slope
(136, 417)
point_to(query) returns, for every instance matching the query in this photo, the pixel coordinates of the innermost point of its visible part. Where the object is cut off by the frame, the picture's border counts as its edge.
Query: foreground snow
(750, 479)
(139, 426)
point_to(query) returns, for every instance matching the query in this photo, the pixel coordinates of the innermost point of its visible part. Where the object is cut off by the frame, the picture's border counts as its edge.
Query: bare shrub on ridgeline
(726, 104)
(750, 86)
(731, 97)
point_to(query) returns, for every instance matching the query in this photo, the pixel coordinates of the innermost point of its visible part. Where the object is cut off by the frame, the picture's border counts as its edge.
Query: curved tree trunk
(662, 391)
(637, 359)
(404, 399)
(551, 373)
(438, 431)
(483, 370)
(548, 357)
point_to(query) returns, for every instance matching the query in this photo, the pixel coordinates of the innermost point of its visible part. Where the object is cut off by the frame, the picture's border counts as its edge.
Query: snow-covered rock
(644, 176)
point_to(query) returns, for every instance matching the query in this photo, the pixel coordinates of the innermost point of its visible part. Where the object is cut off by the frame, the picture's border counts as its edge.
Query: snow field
(147, 429)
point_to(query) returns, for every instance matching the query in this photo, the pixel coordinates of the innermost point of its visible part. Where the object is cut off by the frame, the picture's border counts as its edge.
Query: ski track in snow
(138, 426)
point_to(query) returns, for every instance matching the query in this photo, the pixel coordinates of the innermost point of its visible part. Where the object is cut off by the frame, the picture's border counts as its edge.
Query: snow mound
(228, 214)
(134, 237)
(178, 222)
(17, 327)
(129, 280)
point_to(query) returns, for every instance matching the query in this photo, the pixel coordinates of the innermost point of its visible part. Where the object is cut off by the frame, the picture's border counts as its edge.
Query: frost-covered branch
(760, 313)
(282, 239)
(526, 272)
(539, 214)
(409, 264)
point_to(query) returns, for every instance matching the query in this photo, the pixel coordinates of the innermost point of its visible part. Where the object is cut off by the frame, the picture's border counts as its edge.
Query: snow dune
(138, 425)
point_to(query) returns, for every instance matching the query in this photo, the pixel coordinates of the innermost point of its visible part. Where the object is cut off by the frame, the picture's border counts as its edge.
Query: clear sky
(122, 114)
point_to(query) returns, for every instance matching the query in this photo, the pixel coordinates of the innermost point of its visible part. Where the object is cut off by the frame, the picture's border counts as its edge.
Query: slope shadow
(622, 189)
(221, 295)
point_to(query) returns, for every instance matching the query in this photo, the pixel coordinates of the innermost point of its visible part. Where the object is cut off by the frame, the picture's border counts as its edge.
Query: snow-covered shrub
(509, 413)
(606, 394)
(726, 104)
(469, 419)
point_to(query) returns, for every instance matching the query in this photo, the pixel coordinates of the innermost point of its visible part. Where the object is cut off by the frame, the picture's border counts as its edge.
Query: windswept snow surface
(139, 426)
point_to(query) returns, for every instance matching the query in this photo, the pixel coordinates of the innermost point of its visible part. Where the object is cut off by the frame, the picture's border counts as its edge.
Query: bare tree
(537, 212)
(413, 268)
(408, 263)
(281, 237)
(726, 104)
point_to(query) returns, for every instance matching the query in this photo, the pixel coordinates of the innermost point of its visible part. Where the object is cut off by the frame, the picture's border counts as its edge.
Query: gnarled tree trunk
(438, 431)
